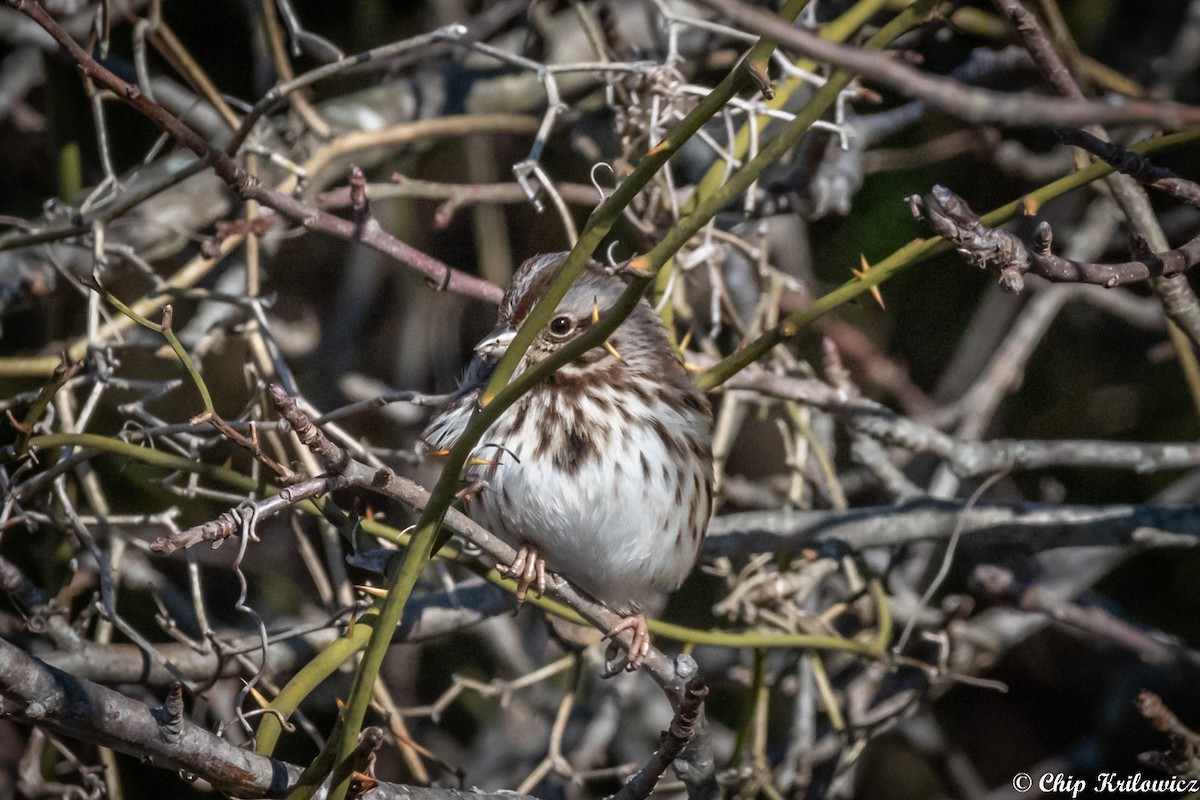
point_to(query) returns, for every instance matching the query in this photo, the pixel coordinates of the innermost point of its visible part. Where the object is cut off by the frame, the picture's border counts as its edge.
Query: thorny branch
(824, 545)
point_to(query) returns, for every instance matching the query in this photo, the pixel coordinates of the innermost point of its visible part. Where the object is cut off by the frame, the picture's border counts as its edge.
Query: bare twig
(969, 103)
(248, 187)
(674, 740)
(1183, 759)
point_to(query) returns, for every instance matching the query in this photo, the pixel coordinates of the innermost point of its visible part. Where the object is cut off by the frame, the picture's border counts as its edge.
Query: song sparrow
(602, 472)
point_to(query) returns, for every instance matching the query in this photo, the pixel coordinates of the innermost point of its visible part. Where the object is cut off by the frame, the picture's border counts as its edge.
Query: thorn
(758, 71)
(445, 451)
(658, 148)
(262, 701)
(685, 341)
(476, 461)
(639, 266)
(607, 344)
(20, 428)
(468, 491)
(1030, 205)
(861, 274)
(374, 591)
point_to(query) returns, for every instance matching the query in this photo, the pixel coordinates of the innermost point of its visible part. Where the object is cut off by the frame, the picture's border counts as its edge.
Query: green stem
(190, 366)
(763, 639)
(836, 31)
(501, 392)
(914, 252)
(740, 181)
(37, 409)
(309, 677)
(757, 680)
(146, 455)
(168, 332)
(402, 579)
(602, 220)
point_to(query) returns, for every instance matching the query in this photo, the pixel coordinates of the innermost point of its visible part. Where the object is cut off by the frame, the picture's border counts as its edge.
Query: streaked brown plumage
(605, 468)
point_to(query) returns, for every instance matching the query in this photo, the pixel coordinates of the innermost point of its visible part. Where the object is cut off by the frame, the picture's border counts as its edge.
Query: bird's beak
(495, 343)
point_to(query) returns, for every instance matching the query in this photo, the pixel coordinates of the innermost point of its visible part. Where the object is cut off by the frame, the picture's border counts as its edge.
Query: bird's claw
(639, 644)
(529, 569)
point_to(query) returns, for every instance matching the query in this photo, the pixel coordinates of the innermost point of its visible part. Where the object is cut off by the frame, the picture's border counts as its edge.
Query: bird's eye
(561, 326)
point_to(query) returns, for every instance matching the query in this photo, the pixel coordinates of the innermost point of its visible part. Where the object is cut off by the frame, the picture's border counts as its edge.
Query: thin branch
(1135, 166)
(970, 103)
(1152, 647)
(1183, 759)
(248, 187)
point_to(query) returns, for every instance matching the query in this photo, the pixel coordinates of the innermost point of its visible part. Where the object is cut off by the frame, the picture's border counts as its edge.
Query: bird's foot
(639, 645)
(529, 569)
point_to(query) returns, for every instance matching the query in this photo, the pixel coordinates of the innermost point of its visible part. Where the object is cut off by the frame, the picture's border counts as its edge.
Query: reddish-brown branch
(1041, 48)
(247, 186)
(1184, 756)
(332, 456)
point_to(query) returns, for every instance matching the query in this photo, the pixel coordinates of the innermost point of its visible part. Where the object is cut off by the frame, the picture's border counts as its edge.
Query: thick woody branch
(966, 458)
(38, 694)
(986, 247)
(1030, 525)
